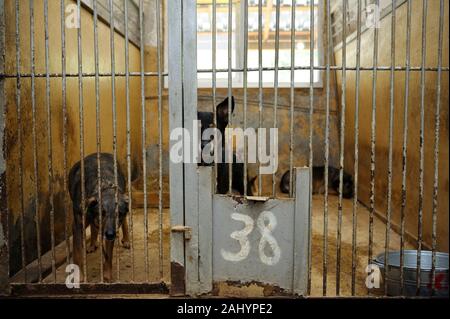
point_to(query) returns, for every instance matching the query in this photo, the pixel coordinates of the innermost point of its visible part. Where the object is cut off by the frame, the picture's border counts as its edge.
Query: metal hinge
(183, 229)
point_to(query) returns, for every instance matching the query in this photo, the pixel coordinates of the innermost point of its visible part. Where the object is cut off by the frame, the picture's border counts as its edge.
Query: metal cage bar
(356, 154)
(81, 119)
(373, 141)
(35, 162)
(436, 149)
(98, 131)
(49, 141)
(421, 145)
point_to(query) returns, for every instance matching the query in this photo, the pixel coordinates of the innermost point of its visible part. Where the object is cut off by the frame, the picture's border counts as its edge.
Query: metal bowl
(392, 276)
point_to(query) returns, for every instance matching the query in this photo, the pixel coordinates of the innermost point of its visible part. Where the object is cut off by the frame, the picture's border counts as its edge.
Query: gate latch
(183, 229)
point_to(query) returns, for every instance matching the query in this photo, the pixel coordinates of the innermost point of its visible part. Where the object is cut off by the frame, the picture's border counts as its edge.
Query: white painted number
(241, 237)
(266, 224)
(267, 238)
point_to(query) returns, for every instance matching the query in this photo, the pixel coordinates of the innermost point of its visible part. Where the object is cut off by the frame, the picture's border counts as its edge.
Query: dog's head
(108, 211)
(347, 188)
(252, 186)
(284, 184)
(347, 185)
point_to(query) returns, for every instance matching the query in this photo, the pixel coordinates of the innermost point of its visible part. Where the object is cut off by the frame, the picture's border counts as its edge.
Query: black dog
(222, 119)
(92, 205)
(319, 182)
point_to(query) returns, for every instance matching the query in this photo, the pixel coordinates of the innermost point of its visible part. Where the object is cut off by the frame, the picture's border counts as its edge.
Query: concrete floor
(157, 271)
(161, 271)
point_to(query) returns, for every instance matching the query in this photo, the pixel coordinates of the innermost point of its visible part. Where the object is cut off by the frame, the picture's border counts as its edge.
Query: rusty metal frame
(4, 253)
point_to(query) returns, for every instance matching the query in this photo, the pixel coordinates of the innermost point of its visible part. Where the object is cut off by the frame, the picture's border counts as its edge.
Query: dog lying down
(319, 181)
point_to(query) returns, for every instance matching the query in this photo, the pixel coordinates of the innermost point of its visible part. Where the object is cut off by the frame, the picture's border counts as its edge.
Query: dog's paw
(126, 244)
(91, 248)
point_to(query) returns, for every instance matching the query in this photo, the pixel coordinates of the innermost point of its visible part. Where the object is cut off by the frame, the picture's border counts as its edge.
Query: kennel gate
(214, 224)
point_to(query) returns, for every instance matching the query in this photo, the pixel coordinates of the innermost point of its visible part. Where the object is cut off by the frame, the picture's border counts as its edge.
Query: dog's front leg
(77, 229)
(94, 234)
(108, 255)
(125, 234)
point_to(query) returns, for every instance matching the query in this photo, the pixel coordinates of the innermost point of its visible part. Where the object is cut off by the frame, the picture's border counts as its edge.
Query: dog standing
(93, 208)
(222, 120)
(319, 181)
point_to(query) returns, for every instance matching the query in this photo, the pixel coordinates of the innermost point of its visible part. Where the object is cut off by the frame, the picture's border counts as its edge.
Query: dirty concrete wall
(151, 99)
(73, 147)
(382, 120)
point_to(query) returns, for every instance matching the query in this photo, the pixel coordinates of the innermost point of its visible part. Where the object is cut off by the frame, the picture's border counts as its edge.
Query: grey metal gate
(222, 238)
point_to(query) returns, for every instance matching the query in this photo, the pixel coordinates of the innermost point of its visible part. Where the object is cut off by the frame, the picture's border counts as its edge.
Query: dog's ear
(252, 186)
(335, 183)
(222, 111)
(123, 205)
(91, 202)
(126, 199)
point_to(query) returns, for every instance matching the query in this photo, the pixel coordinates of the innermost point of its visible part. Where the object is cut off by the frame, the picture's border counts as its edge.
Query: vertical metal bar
(372, 140)
(311, 129)
(327, 152)
(230, 83)
(177, 191)
(98, 132)
(5, 286)
(35, 162)
(436, 148)
(49, 141)
(245, 90)
(64, 129)
(275, 80)
(214, 78)
(356, 163)
(292, 100)
(341, 145)
(391, 128)
(190, 115)
(421, 141)
(81, 118)
(19, 140)
(127, 89)
(144, 128)
(405, 142)
(114, 123)
(260, 84)
(160, 132)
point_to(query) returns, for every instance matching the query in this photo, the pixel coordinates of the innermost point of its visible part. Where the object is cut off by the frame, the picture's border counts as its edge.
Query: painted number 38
(266, 223)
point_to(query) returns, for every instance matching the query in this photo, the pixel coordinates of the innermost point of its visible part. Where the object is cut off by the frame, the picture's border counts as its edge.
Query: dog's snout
(110, 234)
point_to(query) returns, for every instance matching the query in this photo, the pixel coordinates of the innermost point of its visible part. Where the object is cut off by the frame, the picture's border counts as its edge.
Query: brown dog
(93, 206)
